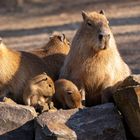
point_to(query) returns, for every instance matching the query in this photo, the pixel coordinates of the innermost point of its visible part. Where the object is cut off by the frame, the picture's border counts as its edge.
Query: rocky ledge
(103, 122)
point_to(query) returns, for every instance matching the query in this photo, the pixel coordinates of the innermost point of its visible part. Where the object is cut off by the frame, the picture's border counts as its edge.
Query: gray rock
(128, 102)
(132, 80)
(96, 123)
(16, 122)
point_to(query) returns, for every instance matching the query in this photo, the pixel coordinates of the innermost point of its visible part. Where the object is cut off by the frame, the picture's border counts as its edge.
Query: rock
(16, 122)
(132, 80)
(128, 102)
(96, 123)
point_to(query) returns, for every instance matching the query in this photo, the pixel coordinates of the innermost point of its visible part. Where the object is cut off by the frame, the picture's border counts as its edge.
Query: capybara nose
(104, 35)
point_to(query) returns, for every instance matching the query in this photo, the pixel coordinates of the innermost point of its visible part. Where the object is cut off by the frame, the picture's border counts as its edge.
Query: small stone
(132, 80)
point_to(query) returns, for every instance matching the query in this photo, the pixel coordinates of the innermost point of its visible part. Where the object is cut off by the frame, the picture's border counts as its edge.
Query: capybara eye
(50, 85)
(89, 24)
(46, 79)
(69, 93)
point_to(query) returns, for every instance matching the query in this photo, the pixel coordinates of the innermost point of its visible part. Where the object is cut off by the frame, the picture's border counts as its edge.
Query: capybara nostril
(100, 37)
(104, 35)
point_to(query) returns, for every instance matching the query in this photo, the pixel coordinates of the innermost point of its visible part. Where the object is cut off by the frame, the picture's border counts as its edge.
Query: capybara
(94, 63)
(67, 95)
(16, 68)
(54, 53)
(39, 91)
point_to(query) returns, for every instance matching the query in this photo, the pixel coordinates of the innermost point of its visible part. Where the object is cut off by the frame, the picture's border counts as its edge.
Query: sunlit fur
(67, 95)
(16, 68)
(90, 67)
(39, 90)
(54, 53)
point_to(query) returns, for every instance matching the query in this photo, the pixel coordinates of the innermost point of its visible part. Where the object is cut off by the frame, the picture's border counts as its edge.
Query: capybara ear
(84, 15)
(102, 12)
(44, 73)
(62, 37)
(50, 37)
(83, 94)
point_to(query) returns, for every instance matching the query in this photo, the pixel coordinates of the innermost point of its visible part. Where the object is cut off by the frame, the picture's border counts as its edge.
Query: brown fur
(92, 64)
(67, 95)
(39, 91)
(16, 68)
(54, 53)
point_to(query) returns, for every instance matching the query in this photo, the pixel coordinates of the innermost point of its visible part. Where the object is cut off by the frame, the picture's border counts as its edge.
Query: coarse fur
(16, 68)
(54, 53)
(67, 95)
(39, 90)
(94, 63)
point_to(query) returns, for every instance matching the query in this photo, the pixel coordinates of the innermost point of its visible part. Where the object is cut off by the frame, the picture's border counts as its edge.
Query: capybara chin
(94, 63)
(67, 95)
(16, 68)
(54, 53)
(39, 91)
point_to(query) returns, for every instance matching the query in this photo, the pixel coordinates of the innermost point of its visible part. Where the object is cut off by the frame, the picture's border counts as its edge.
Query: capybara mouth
(104, 45)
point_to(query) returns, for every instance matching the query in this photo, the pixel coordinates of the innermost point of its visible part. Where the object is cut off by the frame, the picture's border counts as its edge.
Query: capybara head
(40, 90)
(44, 85)
(57, 40)
(95, 30)
(73, 99)
(68, 93)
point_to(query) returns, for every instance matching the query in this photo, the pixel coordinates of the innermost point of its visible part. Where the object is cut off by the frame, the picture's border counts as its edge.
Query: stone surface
(128, 102)
(96, 123)
(132, 80)
(16, 122)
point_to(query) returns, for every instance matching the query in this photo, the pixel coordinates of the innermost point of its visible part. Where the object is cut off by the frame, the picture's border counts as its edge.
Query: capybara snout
(73, 99)
(104, 37)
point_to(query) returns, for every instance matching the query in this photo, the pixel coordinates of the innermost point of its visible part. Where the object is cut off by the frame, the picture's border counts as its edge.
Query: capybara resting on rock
(67, 95)
(16, 68)
(94, 63)
(54, 53)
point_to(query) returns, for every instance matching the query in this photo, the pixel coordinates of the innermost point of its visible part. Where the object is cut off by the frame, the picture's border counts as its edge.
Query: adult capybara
(16, 68)
(67, 95)
(54, 53)
(94, 63)
(39, 91)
